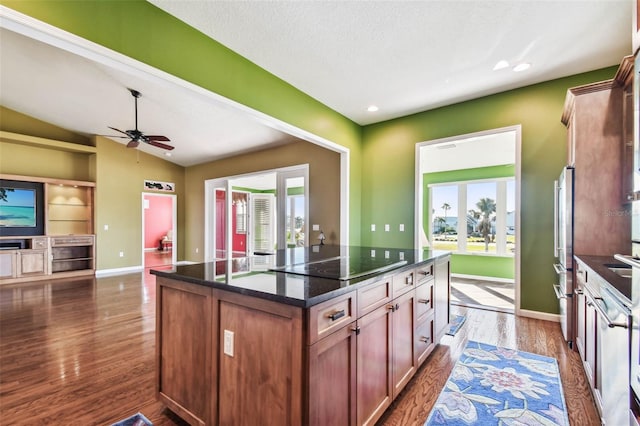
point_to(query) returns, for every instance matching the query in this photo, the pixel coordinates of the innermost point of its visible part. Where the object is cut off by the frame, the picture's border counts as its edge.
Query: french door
(266, 211)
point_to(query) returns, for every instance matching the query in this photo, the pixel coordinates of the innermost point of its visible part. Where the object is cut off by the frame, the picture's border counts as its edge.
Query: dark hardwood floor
(81, 352)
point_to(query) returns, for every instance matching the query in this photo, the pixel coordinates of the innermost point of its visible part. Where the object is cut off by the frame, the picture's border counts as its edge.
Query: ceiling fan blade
(158, 138)
(118, 130)
(161, 145)
(133, 144)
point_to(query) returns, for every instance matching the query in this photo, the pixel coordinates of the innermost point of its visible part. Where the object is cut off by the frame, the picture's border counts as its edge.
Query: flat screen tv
(21, 208)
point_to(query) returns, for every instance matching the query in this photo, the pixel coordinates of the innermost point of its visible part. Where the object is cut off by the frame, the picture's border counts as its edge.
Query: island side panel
(261, 368)
(186, 332)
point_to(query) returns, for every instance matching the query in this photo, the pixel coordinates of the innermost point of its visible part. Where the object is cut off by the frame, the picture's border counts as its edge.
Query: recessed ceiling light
(167, 154)
(521, 67)
(501, 65)
(372, 108)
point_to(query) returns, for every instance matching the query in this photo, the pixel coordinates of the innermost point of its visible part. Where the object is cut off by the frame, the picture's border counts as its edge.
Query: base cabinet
(332, 379)
(226, 358)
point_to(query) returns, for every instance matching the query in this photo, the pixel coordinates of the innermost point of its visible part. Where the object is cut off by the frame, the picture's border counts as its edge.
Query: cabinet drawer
(39, 243)
(424, 273)
(424, 300)
(85, 240)
(373, 296)
(424, 339)
(403, 282)
(327, 317)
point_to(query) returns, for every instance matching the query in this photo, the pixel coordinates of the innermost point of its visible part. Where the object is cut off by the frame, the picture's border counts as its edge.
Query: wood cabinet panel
(442, 297)
(595, 135)
(260, 379)
(424, 301)
(403, 282)
(374, 296)
(327, 317)
(374, 387)
(403, 341)
(32, 262)
(332, 379)
(424, 273)
(424, 343)
(8, 264)
(185, 342)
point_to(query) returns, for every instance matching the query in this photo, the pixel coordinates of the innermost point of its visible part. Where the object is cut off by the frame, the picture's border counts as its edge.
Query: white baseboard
(484, 278)
(538, 315)
(118, 271)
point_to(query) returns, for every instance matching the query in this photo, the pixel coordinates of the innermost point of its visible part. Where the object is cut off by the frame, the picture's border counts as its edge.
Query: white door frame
(211, 185)
(518, 165)
(174, 224)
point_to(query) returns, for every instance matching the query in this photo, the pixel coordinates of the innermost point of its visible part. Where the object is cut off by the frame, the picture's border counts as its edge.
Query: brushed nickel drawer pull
(424, 339)
(425, 301)
(356, 330)
(336, 315)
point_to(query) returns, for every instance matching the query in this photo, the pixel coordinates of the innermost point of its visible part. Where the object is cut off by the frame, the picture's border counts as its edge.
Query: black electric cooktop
(342, 267)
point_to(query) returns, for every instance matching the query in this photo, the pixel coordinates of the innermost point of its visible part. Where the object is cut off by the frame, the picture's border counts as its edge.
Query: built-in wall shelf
(21, 139)
(67, 247)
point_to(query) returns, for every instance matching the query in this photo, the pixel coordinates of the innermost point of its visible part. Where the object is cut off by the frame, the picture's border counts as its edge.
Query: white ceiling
(404, 56)
(410, 56)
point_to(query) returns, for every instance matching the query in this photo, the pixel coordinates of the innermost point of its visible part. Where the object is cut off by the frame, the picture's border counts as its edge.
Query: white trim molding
(545, 316)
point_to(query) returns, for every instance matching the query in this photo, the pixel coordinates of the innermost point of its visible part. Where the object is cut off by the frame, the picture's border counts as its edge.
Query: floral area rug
(497, 386)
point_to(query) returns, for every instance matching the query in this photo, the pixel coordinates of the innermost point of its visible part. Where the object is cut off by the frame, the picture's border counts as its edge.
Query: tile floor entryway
(483, 294)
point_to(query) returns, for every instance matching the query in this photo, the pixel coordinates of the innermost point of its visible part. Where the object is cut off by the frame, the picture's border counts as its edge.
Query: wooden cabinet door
(424, 343)
(260, 352)
(32, 262)
(403, 341)
(332, 379)
(374, 390)
(590, 341)
(186, 380)
(8, 264)
(442, 296)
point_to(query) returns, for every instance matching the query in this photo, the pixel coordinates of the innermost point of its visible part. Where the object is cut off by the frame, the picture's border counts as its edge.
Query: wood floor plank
(82, 352)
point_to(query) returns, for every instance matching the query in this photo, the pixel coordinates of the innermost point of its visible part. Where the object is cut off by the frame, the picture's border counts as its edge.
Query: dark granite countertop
(620, 286)
(264, 276)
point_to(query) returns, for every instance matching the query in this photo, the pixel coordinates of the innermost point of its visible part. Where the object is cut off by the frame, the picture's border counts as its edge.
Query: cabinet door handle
(356, 330)
(334, 316)
(393, 308)
(579, 291)
(425, 301)
(424, 339)
(425, 273)
(408, 280)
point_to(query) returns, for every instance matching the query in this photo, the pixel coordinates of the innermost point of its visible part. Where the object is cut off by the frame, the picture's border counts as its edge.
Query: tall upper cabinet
(624, 78)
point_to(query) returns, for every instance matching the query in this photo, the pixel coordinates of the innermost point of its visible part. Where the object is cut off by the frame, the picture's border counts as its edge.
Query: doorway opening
(159, 226)
(266, 210)
(468, 202)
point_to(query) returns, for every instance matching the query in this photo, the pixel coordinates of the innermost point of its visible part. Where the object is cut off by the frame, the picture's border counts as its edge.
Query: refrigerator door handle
(559, 268)
(559, 295)
(556, 219)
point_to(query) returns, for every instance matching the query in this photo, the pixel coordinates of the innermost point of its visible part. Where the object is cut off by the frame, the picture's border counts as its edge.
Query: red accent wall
(157, 219)
(239, 240)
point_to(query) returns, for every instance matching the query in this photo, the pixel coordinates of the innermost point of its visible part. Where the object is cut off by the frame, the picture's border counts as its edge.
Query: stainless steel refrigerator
(563, 250)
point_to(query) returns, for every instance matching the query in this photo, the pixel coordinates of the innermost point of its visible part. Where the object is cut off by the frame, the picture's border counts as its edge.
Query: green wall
(388, 159)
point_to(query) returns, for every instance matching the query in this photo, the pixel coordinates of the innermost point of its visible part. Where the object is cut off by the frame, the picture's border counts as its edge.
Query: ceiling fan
(137, 136)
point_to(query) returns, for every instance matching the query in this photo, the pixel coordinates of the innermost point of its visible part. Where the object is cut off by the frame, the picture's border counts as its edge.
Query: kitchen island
(320, 335)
